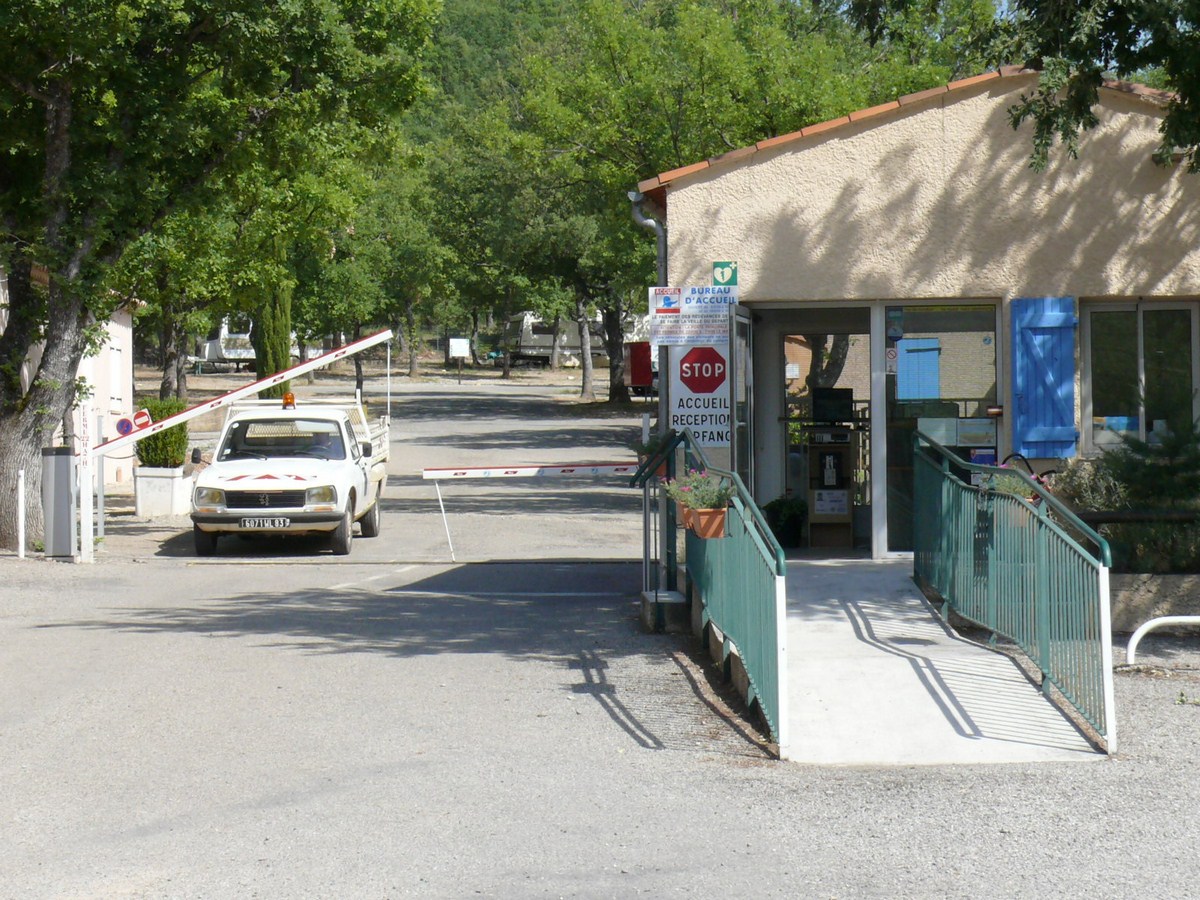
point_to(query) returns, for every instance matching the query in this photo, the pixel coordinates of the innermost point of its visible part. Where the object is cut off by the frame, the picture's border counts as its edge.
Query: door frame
(776, 316)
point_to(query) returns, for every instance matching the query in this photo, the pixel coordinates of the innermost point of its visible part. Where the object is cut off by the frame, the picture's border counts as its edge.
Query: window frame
(1139, 306)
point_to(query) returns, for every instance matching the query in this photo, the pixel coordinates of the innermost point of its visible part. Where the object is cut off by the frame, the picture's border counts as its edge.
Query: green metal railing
(739, 582)
(1020, 568)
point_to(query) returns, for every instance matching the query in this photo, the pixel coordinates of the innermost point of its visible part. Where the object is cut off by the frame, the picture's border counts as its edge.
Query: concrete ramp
(875, 678)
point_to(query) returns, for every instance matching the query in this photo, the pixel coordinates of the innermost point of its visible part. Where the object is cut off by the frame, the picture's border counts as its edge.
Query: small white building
(904, 268)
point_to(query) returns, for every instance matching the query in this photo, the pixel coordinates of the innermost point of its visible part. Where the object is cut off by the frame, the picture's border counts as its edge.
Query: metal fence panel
(739, 584)
(1015, 569)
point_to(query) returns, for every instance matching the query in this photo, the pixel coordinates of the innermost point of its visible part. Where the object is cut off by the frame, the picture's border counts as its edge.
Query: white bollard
(20, 514)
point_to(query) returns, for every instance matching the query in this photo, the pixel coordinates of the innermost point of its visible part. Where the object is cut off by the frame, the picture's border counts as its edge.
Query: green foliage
(1159, 474)
(699, 490)
(1077, 44)
(1010, 484)
(168, 448)
(656, 442)
(1087, 484)
(1143, 477)
(786, 516)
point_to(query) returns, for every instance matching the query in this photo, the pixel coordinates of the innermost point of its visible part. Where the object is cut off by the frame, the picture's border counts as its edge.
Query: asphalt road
(275, 722)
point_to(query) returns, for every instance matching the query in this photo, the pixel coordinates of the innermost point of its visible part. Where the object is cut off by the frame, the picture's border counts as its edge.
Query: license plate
(273, 522)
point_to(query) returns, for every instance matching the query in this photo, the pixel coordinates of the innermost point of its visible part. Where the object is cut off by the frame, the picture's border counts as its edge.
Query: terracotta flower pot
(707, 523)
(683, 515)
(660, 471)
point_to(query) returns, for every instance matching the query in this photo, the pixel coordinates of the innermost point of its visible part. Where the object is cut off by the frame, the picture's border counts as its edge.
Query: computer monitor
(833, 404)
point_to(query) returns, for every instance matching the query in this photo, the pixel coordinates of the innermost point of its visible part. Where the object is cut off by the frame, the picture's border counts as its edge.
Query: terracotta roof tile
(734, 155)
(1140, 90)
(658, 185)
(874, 111)
(776, 141)
(822, 127)
(682, 171)
(974, 80)
(923, 95)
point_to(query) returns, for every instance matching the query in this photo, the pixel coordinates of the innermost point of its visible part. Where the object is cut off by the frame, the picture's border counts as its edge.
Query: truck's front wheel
(370, 522)
(205, 541)
(340, 538)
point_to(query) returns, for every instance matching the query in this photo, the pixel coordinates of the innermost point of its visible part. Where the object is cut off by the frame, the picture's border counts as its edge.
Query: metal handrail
(665, 454)
(769, 546)
(1047, 498)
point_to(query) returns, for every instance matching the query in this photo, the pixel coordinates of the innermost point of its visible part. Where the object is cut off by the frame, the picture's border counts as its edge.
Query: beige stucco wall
(937, 200)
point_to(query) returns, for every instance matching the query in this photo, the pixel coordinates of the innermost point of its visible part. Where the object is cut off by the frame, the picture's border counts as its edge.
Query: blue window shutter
(918, 370)
(1043, 366)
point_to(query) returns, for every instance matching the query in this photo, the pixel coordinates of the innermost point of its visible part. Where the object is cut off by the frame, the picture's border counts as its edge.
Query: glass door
(741, 393)
(940, 378)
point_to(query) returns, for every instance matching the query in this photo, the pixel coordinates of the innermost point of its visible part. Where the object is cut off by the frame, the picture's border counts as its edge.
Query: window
(1140, 370)
(918, 370)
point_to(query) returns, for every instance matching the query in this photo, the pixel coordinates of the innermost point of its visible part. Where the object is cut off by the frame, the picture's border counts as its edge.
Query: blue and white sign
(691, 315)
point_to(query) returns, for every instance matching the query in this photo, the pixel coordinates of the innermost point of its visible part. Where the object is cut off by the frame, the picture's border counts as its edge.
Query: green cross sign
(724, 274)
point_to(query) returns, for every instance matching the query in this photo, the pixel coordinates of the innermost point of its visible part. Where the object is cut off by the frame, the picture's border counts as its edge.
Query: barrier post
(20, 514)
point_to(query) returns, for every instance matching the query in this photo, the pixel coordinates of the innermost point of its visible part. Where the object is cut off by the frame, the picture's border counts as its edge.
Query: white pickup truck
(287, 468)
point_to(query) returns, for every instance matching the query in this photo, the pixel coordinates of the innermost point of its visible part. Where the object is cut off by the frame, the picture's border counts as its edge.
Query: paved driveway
(279, 724)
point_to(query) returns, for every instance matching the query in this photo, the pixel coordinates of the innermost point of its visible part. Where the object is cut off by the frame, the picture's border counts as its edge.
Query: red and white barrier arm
(233, 396)
(583, 470)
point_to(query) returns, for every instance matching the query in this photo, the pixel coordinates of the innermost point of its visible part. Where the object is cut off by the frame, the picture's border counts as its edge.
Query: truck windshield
(263, 438)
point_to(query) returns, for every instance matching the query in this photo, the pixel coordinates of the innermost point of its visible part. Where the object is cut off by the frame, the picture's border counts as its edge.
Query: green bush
(168, 448)
(1141, 477)
(786, 516)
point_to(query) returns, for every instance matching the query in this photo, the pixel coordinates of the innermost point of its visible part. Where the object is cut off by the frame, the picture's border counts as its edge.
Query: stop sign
(702, 370)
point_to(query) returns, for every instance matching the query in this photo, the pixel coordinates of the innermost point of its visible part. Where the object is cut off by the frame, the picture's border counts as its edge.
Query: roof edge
(657, 185)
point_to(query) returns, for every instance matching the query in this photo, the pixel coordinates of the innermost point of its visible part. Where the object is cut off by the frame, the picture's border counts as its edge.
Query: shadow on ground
(580, 617)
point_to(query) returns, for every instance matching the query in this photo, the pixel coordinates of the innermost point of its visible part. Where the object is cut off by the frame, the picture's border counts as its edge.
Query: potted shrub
(786, 516)
(703, 499)
(159, 485)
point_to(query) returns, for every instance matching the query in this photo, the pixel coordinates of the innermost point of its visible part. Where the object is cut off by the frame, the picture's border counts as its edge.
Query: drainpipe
(666, 510)
(637, 198)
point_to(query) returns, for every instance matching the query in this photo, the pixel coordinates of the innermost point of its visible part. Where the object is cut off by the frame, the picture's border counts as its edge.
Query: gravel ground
(395, 726)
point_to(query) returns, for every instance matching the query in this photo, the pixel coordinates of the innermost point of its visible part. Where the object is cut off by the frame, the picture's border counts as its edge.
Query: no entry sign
(700, 393)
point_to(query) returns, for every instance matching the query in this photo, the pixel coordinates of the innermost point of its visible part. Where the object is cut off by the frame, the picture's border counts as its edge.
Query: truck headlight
(321, 496)
(206, 496)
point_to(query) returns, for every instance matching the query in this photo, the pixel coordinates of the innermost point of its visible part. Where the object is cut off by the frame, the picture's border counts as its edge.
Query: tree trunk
(555, 356)
(309, 377)
(410, 327)
(181, 362)
(587, 389)
(614, 343)
(28, 420)
(166, 341)
(28, 417)
(358, 366)
(826, 363)
(475, 338)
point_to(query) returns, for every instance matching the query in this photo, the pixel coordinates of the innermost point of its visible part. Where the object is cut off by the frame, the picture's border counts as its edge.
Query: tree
(1075, 45)
(630, 90)
(115, 114)
(177, 274)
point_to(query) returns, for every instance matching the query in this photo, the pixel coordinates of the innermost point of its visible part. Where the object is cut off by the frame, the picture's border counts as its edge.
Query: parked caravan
(229, 342)
(530, 339)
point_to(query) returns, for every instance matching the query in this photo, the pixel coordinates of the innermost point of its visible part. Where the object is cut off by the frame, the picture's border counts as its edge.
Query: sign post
(460, 349)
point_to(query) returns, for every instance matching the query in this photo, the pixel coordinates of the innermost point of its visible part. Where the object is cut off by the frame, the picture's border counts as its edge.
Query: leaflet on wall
(691, 315)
